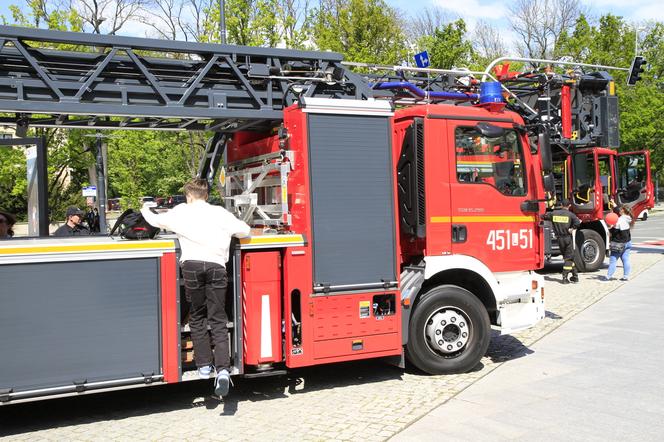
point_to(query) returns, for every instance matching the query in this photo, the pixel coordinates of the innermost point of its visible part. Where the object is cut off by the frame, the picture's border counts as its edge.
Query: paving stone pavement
(367, 400)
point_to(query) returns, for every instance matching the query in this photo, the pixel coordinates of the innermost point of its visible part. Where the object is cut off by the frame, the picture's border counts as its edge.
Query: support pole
(42, 186)
(101, 186)
(222, 21)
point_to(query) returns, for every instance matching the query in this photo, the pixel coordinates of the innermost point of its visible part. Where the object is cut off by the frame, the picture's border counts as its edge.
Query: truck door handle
(459, 233)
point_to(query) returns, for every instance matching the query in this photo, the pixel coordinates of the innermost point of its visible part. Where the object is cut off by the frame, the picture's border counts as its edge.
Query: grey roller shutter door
(65, 322)
(352, 199)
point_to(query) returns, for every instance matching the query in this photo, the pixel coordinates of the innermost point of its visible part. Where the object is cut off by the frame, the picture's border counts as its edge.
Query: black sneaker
(565, 281)
(574, 279)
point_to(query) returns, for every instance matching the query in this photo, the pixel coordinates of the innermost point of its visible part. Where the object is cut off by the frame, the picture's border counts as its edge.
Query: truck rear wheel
(590, 250)
(449, 331)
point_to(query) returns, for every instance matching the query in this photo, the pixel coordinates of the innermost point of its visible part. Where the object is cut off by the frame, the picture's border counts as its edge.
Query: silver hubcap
(447, 330)
(590, 251)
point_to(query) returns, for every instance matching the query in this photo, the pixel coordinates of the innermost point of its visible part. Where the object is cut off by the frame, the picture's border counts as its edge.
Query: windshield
(495, 161)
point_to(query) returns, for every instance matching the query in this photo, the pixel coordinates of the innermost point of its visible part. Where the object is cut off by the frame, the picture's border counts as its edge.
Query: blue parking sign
(422, 59)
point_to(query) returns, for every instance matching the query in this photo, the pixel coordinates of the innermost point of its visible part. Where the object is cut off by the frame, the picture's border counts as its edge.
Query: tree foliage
(611, 42)
(368, 31)
(539, 24)
(149, 163)
(448, 46)
(13, 180)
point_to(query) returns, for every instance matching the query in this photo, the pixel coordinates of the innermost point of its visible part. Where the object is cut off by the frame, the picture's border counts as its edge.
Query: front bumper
(524, 306)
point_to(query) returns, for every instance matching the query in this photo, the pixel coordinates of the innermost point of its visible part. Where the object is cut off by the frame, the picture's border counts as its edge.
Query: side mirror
(544, 142)
(549, 183)
(530, 206)
(489, 130)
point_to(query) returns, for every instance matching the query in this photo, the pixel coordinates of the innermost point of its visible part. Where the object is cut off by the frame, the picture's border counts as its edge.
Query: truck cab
(596, 180)
(634, 186)
(469, 191)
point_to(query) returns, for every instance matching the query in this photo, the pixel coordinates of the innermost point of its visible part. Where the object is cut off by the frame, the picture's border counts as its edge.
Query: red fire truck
(371, 236)
(602, 179)
(580, 112)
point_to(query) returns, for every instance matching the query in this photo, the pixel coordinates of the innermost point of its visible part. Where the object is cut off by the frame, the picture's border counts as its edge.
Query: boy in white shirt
(205, 233)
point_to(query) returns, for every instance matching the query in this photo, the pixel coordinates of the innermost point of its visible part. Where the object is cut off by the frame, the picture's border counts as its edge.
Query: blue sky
(495, 11)
(492, 11)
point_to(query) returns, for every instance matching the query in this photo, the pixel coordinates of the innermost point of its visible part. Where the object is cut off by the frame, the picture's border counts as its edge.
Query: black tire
(644, 217)
(448, 302)
(590, 250)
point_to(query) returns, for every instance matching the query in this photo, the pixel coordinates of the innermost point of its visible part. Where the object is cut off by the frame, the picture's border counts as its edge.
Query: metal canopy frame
(112, 82)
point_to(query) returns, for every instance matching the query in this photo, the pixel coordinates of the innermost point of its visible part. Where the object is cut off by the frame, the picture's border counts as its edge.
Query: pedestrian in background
(564, 223)
(73, 225)
(620, 244)
(205, 233)
(7, 221)
(92, 218)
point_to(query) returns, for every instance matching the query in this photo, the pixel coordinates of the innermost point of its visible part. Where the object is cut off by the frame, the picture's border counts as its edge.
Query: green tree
(69, 160)
(448, 46)
(150, 163)
(575, 44)
(248, 22)
(42, 13)
(368, 31)
(13, 181)
(611, 42)
(642, 106)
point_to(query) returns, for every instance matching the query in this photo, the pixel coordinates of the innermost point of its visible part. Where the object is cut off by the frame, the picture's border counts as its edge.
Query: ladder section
(112, 82)
(256, 189)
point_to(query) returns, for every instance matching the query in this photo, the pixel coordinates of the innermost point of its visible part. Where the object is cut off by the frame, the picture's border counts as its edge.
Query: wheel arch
(466, 279)
(463, 271)
(598, 226)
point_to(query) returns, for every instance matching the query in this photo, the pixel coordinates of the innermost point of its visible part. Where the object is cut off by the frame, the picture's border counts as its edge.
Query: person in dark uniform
(92, 218)
(73, 226)
(564, 223)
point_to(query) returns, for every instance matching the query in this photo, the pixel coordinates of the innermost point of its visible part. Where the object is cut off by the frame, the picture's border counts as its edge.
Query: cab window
(494, 161)
(632, 178)
(584, 177)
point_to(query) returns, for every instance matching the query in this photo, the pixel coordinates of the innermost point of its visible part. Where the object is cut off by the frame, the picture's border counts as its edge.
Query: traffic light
(636, 70)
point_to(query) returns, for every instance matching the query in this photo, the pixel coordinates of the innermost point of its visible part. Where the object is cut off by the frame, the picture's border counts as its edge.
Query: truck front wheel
(449, 331)
(590, 250)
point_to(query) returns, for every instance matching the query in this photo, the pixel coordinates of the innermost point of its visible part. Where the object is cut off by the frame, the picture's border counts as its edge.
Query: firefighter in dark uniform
(564, 223)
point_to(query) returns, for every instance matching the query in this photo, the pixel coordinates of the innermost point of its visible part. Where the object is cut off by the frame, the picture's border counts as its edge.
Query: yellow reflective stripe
(70, 248)
(493, 219)
(560, 219)
(441, 219)
(271, 239)
(483, 219)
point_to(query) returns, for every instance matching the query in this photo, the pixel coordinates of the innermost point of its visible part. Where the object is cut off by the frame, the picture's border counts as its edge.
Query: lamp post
(636, 39)
(222, 21)
(100, 164)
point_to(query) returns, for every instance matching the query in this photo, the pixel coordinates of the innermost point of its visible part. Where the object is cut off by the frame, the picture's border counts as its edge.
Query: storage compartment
(261, 307)
(356, 324)
(71, 324)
